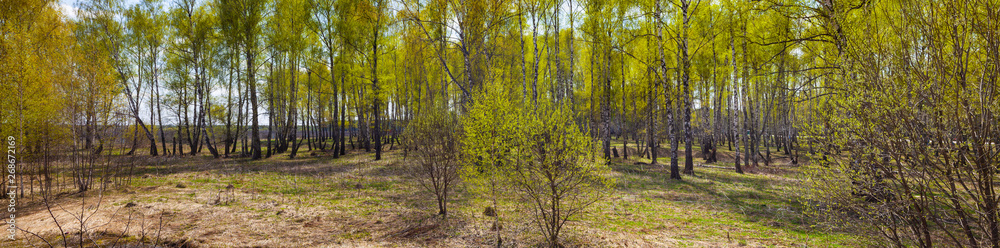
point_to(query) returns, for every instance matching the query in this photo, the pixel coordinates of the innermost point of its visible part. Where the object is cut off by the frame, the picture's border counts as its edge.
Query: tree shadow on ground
(755, 197)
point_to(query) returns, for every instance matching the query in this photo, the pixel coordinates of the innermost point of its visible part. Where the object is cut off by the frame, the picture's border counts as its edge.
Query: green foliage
(540, 152)
(38, 76)
(904, 141)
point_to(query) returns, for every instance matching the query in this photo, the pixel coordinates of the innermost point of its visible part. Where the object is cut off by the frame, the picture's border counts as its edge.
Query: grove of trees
(892, 104)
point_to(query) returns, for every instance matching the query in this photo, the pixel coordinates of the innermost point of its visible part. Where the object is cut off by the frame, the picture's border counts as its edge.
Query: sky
(67, 8)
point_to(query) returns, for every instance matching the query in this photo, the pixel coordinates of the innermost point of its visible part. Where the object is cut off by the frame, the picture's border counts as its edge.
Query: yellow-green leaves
(534, 155)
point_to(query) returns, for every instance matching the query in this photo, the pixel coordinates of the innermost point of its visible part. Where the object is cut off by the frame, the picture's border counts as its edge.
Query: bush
(538, 151)
(433, 136)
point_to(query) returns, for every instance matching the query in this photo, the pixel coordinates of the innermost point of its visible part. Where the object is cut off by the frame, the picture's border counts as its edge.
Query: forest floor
(354, 201)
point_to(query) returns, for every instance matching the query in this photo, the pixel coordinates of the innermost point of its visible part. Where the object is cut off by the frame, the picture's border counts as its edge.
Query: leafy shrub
(433, 136)
(536, 150)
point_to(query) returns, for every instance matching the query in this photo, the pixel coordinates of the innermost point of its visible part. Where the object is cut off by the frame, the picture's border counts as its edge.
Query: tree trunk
(733, 103)
(255, 127)
(375, 88)
(685, 80)
(293, 112)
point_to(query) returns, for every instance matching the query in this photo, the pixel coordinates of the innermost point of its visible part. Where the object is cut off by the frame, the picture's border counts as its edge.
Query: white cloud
(67, 9)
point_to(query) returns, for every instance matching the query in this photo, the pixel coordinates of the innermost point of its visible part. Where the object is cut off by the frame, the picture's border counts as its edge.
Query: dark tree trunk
(255, 127)
(375, 88)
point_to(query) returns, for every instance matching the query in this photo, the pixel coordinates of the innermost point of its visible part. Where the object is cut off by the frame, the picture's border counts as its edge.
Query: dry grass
(356, 202)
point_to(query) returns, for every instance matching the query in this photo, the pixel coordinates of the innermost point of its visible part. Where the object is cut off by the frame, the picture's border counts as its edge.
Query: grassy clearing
(354, 201)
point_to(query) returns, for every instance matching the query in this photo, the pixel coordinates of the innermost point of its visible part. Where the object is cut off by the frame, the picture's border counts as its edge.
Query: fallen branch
(715, 167)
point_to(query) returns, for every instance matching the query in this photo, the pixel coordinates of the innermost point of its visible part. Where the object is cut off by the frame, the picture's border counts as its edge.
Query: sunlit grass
(356, 199)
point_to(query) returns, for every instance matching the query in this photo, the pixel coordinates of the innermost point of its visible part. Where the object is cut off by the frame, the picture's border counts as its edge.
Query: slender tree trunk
(606, 104)
(652, 129)
(674, 170)
(293, 112)
(343, 119)
(685, 80)
(375, 88)
(229, 111)
(733, 104)
(534, 81)
(255, 127)
(337, 134)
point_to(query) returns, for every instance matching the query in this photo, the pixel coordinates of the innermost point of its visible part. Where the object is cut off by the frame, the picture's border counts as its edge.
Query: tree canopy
(894, 101)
